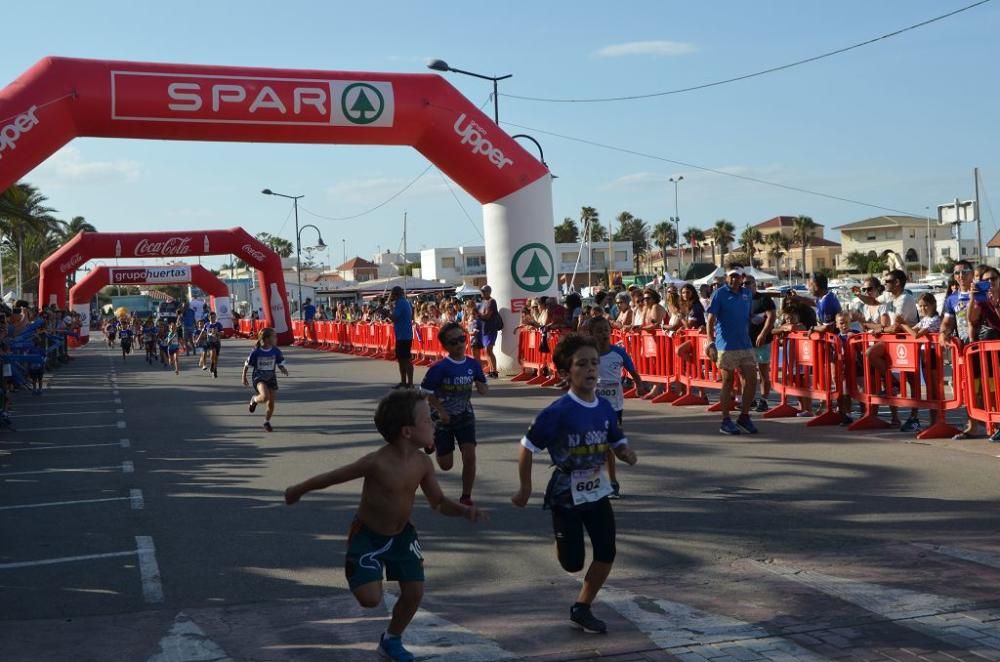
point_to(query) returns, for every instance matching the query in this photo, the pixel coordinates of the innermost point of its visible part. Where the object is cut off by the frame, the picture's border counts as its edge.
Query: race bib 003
(589, 485)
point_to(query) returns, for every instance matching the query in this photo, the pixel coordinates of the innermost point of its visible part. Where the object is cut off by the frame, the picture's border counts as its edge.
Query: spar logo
(474, 136)
(224, 99)
(172, 246)
(11, 133)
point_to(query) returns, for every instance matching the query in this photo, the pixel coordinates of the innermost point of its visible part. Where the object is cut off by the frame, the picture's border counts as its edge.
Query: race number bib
(589, 485)
(265, 363)
(612, 392)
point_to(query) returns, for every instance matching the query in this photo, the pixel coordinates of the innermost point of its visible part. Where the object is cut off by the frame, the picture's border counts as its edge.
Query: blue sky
(899, 124)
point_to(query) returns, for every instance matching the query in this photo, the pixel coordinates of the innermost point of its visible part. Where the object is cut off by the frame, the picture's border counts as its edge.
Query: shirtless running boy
(381, 534)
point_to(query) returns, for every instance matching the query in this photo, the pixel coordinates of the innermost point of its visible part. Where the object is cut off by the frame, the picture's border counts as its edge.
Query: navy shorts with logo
(369, 552)
(461, 429)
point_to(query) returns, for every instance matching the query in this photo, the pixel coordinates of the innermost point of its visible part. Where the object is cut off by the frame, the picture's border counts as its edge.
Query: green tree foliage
(589, 217)
(696, 237)
(723, 236)
(777, 247)
(749, 239)
(803, 229)
(665, 235)
(29, 232)
(567, 232)
(635, 230)
(279, 245)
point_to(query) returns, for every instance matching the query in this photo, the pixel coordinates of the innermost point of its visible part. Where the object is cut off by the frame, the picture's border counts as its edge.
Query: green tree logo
(533, 268)
(357, 105)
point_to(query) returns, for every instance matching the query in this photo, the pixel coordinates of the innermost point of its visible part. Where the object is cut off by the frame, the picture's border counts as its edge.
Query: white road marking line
(118, 401)
(119, 411)
(115, 392)
(976, 556)
(41, 405)
(125, 443)
(54, 448)
(62, 503)
(121, 425)
(65, 559)
(149, 571)
(71, 413)
(128, 467)
(68, 427)
(432, 638)
(135, 496)
(923, 612)
(68, 470)
(186, 642)
(671, 624)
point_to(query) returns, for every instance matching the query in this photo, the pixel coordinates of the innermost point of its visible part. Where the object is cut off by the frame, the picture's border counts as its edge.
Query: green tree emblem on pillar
(535, 276)
(362, 110)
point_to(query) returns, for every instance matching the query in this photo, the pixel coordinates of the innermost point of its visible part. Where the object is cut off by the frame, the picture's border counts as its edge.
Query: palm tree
(802, 234)
(567, 232)
(74, 227)
(635, 230)
(723, 236)
(279, 245)
(695, 236)
(749, 239)
(777, 245)
(665, 235)
(858, 261)
(23, 213)
(590, 217)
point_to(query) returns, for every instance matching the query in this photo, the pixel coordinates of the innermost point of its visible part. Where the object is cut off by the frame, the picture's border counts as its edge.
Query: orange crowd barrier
(919, 363)
(980, 389)
(807, 365)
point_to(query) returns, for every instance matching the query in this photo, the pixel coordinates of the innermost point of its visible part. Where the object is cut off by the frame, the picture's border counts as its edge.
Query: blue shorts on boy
(451, 382)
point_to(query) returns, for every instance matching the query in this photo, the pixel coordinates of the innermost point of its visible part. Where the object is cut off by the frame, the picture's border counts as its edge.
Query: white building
(389, 263)
(467, 264)
(908, 236)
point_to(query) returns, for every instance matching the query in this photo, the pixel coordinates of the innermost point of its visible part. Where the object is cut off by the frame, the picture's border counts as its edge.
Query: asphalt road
(141, 518)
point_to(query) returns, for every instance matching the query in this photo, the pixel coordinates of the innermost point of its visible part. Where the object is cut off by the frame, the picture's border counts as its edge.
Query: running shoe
(465, 500)
(583, 619)
(267, 426)
(760, 405)
(846, 420)
(728, 427)
(253, 405)
(745, 424)
(911, 425)
(995, 437)
(392, 648)
(616, 490)
(400, 385)
(215, 372)
(805, 414)
(204, 367)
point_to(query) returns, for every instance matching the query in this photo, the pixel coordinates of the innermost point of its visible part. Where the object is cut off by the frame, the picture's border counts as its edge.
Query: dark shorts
(489, 339)
(213, 345)
(368, 552)
(461, 429)
(270, 382)
(403, 349)
(173, 349)
(568, 524)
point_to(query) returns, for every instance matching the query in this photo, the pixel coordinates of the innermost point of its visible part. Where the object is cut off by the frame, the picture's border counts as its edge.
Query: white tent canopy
(466, 290)
(711, 278)
(758, 275)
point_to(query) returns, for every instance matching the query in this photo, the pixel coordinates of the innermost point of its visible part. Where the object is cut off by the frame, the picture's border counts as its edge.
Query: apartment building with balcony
(910, 237)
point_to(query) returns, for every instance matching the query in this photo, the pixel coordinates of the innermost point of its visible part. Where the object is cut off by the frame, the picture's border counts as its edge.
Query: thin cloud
(658, 48)
(68, 166)
(638, 180)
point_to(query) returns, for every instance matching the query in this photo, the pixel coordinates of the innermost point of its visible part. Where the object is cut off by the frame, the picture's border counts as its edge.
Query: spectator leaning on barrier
(762, 318)
(984, 315)
(728, 324)
(402, 324)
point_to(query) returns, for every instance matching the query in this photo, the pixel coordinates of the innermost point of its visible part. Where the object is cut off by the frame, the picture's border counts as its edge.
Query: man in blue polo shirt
(727, 321)
(402, 324)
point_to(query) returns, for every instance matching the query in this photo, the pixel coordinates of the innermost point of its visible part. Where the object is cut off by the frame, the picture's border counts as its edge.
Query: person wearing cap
(402, 325)
(728, 325)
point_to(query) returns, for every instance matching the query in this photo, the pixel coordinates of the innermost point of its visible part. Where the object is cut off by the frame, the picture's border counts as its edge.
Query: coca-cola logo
(256, 254)
(71, 263)
(172, 246)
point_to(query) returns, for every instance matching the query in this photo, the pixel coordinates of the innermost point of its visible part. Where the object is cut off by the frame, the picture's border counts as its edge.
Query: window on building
(621, 256)
(946, 252)
(912, 256)
(475, 261)
(447, 263)
(870, 235)
(963, 251)
(890, 234)
(568, 258)
(913, 233)
(821, 263)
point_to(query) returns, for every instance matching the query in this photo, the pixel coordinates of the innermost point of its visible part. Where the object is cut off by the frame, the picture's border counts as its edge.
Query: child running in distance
(448, 385)
(265, 359)
(149, 340)
(577, 430)
(613, 359)
(381, 535)
(174, 347)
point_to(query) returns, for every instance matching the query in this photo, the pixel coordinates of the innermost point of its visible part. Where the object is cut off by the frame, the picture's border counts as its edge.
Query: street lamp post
(298, 242)
(441, 65)
(677, 219)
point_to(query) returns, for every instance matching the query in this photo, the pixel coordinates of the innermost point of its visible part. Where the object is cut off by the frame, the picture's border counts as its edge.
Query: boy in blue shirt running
(448, 385)
(577, 430)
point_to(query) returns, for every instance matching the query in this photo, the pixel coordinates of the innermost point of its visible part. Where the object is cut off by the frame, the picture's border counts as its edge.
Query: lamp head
(320, 244)
(267, 191)
(438, 65)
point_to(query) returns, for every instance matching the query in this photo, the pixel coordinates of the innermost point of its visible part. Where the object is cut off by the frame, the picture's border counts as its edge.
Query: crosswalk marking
(186, 642)
(672, 625)
(434, 639)
(974, 555)
(933, 615)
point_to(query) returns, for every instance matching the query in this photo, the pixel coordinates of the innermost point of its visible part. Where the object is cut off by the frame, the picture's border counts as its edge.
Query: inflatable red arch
(172, 245)
(195, 274)
(59, 99)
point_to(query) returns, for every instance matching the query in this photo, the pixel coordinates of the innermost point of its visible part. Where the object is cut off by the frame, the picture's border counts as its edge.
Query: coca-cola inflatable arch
(183, 244)
(195, 274)
(59, 99)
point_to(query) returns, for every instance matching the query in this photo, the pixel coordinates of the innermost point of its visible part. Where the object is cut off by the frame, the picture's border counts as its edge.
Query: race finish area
(144, 520)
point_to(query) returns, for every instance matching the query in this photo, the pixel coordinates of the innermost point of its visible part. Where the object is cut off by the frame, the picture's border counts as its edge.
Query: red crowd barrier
(807, 364)
(981, 390)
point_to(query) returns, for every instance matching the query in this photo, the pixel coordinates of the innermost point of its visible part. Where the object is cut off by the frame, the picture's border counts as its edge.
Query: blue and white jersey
(148, 333)
(264, 362)
(577, 434)
(125, 333)
(213, 331)
(609, 376)
(451, 382)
